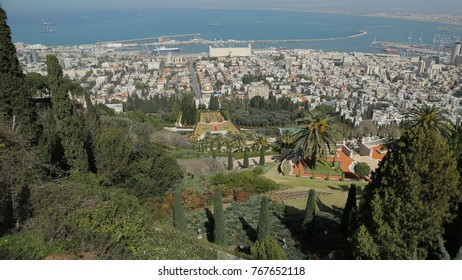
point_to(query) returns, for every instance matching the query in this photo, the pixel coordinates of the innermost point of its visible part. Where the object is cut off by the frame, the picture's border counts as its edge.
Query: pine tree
(230, 160)
(246, 159)
(262, 156)
(413, 193)
(263, 228)
(219, 230)
(308, 220)
(68, 124)
(179, 221)
(267, 249)
(349, 206)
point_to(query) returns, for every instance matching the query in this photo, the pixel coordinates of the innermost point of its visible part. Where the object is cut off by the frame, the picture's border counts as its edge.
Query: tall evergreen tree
(16, 103)
(219, 230)
(246, 159)
(9, 62)
(68, 124)
(349, 206)
(262, 156)
(310, 209)
(230, 160)
(179, 221)
(413, 192)
(263, 228)
(214, 104)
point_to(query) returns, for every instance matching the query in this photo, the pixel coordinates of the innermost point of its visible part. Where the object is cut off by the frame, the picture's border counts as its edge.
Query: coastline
(350, 13)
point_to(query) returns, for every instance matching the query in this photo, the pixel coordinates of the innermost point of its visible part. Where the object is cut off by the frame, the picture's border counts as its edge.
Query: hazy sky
(450, 6)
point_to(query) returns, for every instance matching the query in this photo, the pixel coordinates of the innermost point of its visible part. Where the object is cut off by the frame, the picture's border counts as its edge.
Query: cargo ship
(165, 50)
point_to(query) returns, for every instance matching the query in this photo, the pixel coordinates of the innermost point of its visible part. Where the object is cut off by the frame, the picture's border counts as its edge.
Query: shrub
(267, 249)
(246, 180)
(362, 169)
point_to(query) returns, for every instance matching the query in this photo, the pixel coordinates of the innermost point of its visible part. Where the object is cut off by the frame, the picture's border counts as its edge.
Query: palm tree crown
(430, 117)
(317, 136)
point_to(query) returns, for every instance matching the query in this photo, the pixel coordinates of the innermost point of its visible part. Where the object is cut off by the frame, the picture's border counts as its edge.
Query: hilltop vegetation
(78, 181)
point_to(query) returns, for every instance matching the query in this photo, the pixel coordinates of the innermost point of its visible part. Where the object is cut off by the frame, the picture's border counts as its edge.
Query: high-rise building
(455, 51)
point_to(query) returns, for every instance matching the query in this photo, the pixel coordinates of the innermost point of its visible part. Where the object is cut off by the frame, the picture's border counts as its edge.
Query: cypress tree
(413, 193)
(9, 62)
(246, 159)
(349, 206)
(263, 228)
(230, 160)
(214, 154)
(179, 221)
(308, 220)
(262, 155)
(267, 249)
(16, 100)
(443, 253)
(219, 231)
(68, 124)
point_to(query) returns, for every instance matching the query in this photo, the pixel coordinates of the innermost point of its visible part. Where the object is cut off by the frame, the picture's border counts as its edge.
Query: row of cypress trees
(264, 248)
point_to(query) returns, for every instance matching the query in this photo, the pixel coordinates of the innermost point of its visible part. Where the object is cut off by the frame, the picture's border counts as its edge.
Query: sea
(221, 25)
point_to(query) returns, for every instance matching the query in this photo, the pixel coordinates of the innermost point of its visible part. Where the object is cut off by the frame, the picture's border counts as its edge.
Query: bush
(246, 180)
(267, 249)
(362, 169)
(79, 218)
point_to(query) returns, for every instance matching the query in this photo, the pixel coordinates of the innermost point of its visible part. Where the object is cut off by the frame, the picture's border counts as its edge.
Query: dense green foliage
(8, 61)
(219, 229)
(246, 180)
(16, 105)
(430, 117)
(245, 162)
(412, 194)
(263, 229)
(262, 156)
(267, 249)
(179, 221)
(310, 209)
(230, 160)
(69, 126)
(317, 136)
(18, 170)
(82, 219)
(362, 169)
(214, 104)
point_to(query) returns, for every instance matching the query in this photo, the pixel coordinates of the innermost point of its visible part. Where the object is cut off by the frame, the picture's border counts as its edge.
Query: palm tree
(317, 136)
(259, 141)
(430, 117)
(239, 139)
(286, 139)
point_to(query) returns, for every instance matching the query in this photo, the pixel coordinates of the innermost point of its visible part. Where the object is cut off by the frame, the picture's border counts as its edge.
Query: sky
(424, 6)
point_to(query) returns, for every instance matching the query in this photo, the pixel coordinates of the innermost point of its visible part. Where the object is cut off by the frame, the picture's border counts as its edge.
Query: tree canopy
(413, 192)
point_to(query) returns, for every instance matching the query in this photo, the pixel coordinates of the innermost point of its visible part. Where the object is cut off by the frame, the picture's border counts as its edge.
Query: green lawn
(323, 168)
(332, 194)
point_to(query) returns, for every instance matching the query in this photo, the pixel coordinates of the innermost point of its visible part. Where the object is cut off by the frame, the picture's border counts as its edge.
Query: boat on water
(48, 30)
(159, 50)
(391, 51)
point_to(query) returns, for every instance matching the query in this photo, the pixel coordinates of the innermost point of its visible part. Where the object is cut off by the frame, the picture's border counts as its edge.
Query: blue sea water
(76, 28)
